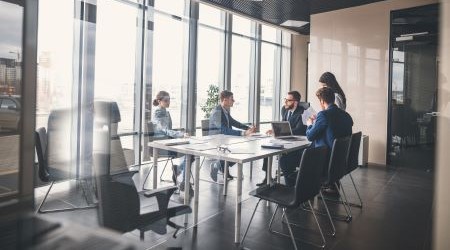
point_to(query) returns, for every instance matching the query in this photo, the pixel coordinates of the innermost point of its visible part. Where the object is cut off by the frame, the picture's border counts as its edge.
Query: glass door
(413, 87)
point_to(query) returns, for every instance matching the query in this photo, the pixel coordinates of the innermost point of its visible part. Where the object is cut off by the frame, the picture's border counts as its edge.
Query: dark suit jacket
(295, 120)
(219, 124)
(330, 124)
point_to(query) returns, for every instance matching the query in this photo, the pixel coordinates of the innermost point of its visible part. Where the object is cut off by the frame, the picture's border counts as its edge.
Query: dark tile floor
(396, 214)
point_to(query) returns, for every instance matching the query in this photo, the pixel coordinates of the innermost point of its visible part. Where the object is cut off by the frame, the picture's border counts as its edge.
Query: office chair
(307, 186)
(337, 168)
(47, 174)
(120, 209)
(305, 105)
(352, 163)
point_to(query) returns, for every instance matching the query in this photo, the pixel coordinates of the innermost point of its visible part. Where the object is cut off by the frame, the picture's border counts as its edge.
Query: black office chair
(47, 174)
(305, 105)
(352, 162)
(337, 168)
(307, 186)
(120, 209)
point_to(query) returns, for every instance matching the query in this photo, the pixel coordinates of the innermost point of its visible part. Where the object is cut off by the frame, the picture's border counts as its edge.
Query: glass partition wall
(124, 53)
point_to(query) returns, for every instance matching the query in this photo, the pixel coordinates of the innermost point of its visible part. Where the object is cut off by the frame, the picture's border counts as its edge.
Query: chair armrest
(164, 190)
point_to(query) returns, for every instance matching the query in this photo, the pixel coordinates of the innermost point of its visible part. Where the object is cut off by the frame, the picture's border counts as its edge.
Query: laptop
(282, 130)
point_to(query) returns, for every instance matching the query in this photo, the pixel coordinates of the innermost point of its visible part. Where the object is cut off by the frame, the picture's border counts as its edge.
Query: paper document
(308, 113)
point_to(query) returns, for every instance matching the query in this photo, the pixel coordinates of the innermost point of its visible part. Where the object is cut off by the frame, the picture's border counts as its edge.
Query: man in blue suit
(331, 123)
(221, 122)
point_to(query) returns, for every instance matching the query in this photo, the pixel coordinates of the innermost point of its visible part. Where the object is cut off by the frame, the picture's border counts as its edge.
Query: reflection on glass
(168, 55)
(11, 16)
(116, 81)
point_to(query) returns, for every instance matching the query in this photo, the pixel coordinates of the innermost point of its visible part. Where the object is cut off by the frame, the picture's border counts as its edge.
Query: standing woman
(327, 79)
(163, 126)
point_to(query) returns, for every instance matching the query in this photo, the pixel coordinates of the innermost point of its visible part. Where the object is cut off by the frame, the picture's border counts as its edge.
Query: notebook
(282, 130)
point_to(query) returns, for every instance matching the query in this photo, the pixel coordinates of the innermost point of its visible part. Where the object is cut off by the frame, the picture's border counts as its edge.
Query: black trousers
(288, 163)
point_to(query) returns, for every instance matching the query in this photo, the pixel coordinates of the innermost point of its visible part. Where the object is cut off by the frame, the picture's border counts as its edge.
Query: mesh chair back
(309, 176)
(41, 151)
(337, 165)
(205, 127)
(152, 136)
(353, 153)
(304, 105)
(118, 203)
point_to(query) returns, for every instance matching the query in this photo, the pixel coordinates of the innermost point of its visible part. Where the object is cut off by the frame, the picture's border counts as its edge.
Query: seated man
(331, 123)
(221, 122)
(291, 112)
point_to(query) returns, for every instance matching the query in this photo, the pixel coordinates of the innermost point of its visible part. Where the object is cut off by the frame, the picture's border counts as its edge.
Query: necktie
(288, 115)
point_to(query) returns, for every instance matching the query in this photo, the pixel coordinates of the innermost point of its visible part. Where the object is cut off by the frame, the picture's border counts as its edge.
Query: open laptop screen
(281, 129)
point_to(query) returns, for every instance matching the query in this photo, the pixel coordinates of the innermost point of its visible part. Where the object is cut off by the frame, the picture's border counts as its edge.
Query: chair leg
(318, 225)
(344, 201)
(251, 218)
(357, 193)
(251, 170)
(290, 229)
(333, 232)
(164, 169)
(39, 210)
(271, 220)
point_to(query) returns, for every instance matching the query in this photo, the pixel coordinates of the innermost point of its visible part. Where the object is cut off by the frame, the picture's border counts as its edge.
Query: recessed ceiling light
(294, 23)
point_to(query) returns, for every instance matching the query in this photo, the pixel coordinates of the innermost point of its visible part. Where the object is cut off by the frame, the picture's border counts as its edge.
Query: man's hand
(186, 135)
(250, 131)
(310, 120)
(269, 132)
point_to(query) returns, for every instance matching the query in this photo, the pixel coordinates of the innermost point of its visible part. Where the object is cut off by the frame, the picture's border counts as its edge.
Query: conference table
(237, 149)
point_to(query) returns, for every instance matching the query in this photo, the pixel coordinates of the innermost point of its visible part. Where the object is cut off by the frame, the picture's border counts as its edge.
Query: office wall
(442, 211)
(353, 43)
(299, 65)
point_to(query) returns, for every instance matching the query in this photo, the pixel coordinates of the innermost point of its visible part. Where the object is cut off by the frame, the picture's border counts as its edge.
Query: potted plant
(212, 101)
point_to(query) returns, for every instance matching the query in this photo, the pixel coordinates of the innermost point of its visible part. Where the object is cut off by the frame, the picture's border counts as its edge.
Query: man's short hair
(225, 94)
(325, 94)
(296, 95)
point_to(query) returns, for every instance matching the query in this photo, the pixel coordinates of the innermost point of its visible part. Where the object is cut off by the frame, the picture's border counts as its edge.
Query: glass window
(240, 77)
(210, 16)
(268, 33)
(210, 60)
(168, 57)
(242, 25)
(268, 79)
(173, 7)
(115, 80)
(11, 16)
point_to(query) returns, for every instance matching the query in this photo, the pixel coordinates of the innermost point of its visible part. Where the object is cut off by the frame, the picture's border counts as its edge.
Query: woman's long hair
(161, 95)
(330, 81)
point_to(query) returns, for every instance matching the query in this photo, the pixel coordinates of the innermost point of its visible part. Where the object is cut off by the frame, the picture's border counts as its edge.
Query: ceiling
(279, 11)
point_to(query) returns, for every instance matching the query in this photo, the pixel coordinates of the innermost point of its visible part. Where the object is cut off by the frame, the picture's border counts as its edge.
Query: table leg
(251, 170)
(269, 174)
(279, 171)
(196, 188)
(237, 216)
(225, 179)
(155, 168)
(187, 179)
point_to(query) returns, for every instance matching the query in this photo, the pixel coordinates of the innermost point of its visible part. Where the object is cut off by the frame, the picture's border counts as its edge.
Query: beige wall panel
(442, 209)
(353, 43)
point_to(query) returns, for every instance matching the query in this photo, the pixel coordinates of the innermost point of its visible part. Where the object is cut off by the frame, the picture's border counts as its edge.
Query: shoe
(264, 182)
(181, 188)
(174, 173)
(230, 177)
(213, 171)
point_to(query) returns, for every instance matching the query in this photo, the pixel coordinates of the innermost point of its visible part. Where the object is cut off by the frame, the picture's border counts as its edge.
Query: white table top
(243, 149)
